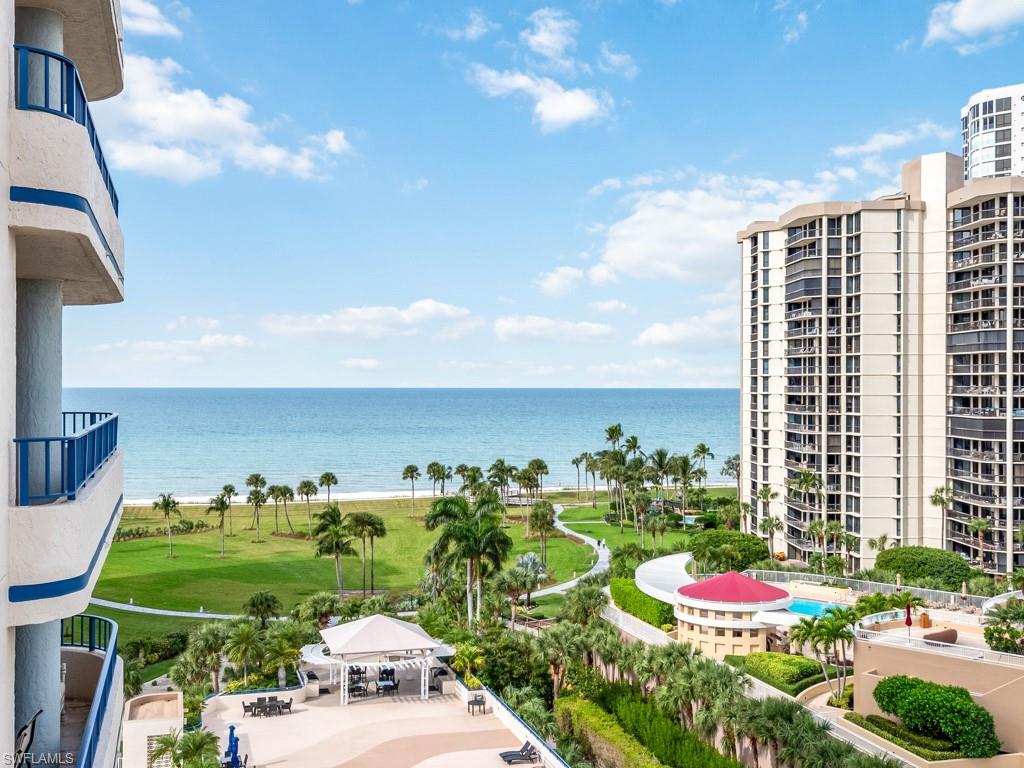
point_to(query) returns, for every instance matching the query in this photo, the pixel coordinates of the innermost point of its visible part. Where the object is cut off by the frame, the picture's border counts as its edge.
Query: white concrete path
(602, 564)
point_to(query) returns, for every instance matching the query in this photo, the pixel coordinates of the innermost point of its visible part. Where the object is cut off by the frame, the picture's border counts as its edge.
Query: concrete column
(37, 683)
(41, 28)
(39, 390)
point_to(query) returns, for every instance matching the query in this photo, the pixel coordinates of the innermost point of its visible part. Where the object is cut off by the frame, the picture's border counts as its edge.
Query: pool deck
(401, 732)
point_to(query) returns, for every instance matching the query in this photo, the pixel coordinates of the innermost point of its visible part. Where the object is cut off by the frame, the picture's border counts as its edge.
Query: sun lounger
(526, 754)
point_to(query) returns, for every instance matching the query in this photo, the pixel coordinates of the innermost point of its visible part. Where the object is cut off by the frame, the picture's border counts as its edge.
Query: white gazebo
(374, 642)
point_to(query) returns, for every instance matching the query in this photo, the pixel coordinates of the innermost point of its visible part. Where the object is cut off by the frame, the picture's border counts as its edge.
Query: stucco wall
(58, 541)
(997, 687)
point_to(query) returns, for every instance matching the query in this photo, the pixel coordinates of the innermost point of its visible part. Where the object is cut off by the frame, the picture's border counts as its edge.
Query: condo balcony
(981, 281)
(986, 411)
(968, 453)
(811, 233)
(69, 496)
(966, 220)
(93, 691)
(63, 204)
(803, 331)
(796, 314)
(958, 260)
(960, 241)
(987, 478)
(977, 325)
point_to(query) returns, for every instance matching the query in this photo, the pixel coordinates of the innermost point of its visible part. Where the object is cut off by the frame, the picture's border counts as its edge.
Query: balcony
(977, 325)
(958, 222)
(93, 690)
(977, 282)
(63, 204)
(69, 491)
(803, 234)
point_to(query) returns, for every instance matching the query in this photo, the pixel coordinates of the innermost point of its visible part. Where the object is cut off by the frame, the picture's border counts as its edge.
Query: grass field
(197, 577)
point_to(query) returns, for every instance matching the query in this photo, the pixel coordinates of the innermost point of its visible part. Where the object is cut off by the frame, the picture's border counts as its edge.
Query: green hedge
(601, 735)
(661, 734)
(925, 563)
(791, 688)
(783, 667)
(629, 598)
(898, 735)
(939, 711)
(749, 548)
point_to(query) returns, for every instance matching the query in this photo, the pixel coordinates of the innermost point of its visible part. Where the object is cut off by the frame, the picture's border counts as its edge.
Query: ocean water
(193, 441)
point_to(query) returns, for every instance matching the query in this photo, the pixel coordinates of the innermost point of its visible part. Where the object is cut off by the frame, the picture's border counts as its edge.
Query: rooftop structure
(992, 129)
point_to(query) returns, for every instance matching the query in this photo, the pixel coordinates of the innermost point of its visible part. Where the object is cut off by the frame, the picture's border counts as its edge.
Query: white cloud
(875, 166)
(552, 36)
(961, 22)
(477, 26)
(636, 181)
(417, 185)
(560, 281)
(178, 350)
(368, 321)
(718, 325)
(661, 371)
(796, 29)
(361, 363)
(617, 61)
(534, 327)
(193, 321)
(162, 128)
(691, 232)
(142, 17)
(555, 107)
(882, 141)
(612, 305)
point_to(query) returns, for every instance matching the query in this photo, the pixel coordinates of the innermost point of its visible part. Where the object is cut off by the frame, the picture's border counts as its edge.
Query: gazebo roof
(734, 588)
(377, 634)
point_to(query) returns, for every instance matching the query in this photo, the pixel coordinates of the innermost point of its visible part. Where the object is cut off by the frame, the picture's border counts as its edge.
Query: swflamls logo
(42, 758)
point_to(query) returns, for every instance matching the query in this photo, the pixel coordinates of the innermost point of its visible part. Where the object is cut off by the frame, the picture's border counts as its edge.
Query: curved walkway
(602, 564)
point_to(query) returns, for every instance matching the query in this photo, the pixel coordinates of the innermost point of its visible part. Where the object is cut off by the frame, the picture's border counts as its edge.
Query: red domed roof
(733, 587)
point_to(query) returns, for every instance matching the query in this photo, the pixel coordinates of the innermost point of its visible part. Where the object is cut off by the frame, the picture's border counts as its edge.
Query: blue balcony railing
(49, 82)
(89, 439)
(95, 634)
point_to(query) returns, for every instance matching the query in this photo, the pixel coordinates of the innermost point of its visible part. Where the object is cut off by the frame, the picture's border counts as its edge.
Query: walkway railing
(93, 633)
(49, 82)
(89, 439)
(932, 595)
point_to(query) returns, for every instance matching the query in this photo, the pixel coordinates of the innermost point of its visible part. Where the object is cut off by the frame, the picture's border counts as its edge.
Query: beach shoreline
(351, 495)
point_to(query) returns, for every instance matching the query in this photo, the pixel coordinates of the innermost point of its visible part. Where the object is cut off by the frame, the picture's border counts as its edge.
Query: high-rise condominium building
(61, 487)
(992, 128)
(882, 359)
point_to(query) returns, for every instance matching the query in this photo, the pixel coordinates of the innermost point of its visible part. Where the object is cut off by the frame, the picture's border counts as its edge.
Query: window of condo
(1003, 105)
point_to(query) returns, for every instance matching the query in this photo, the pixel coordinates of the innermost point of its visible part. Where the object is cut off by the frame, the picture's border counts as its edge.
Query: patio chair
(245, 760)
(261, 699)
(394, 688)
(525, 754)
(247, 708)
(286, 706)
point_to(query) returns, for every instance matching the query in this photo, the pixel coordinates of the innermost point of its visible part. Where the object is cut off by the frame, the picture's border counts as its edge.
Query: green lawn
(197, 577)
(546, 607)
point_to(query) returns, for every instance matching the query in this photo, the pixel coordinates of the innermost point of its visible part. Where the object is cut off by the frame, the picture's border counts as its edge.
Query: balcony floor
(72, 724)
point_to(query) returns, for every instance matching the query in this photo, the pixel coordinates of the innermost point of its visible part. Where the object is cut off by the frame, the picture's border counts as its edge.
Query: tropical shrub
(780, 667)
(583, 681)
(601, 735)
(509, 661)
(793, 688)
(748, 547)
(939, 711)
(902, 737)
(629, 598)
(153, 649)
(1004, 627)
(661, 734)
(925, 563)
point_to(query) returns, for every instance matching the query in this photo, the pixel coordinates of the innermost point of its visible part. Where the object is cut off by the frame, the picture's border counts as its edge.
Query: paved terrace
(400, 732)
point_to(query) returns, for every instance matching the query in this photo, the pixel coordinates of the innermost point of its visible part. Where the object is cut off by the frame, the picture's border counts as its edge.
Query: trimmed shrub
(748, 547)
(892, 733)
(900, 730)
(939, 711)
(601, 735)
(661, 734)
(629, 598)
(925, 563)
(790, 688)
(781, 667)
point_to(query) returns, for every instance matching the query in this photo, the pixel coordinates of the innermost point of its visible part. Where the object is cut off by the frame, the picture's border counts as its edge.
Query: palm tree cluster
(474, 480)
(335, 534)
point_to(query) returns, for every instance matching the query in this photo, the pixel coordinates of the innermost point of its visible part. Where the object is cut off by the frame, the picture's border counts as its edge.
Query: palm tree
(184, 749)
(583, 604)
(817, 532)
(257, 498)
(358, 525)
(632, 445)
(472, 534)
(244, 646)
(682, 476)
(274, 493)
(979, 527)
(851, 543)
(658, 525)
(661, 466)
(280, 652)
(412, 474)
(539, 468)
(613, 435)
(591, 466)
(731, 468)
(287, 494)
(512, 583)
(167, 505)
(542, 523)
(701, 454)
(377, 529)
(907, 602)
(219, 506)
(531, 565)
(319, 608)
(228, 491)
(306, 489)
(445, 474)
(435, 470)
(328, 480)
(942, 497)
(769, 526)
(879, 543)
(262, 605)
(559, 646)
(333, 539)
(132, 683)
(256, 482)
(766, 495)
(576, 461)
(208, 642)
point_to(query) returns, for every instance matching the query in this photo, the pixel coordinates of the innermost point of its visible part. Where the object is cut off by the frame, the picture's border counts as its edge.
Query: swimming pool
(810, 607)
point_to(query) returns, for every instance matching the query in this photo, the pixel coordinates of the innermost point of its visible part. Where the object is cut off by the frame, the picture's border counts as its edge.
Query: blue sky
(340, 193)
